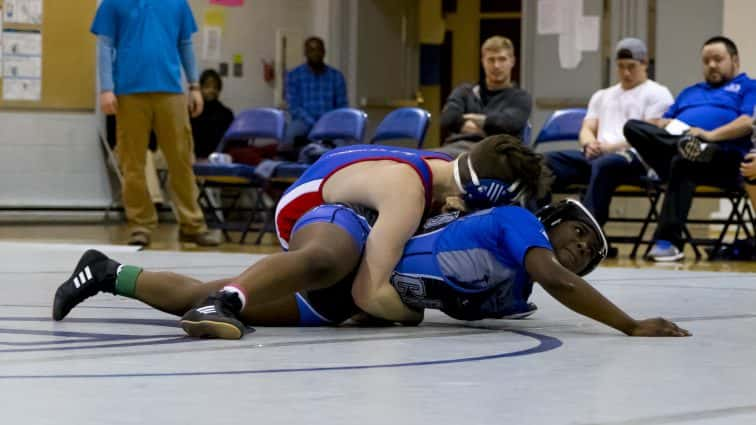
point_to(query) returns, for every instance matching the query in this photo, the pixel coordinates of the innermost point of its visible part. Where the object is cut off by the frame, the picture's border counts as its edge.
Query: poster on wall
(1, 40)
(576, 32)
(211, 43)
(228, 2)
(22, 65)
(22, 89)
(23, 11)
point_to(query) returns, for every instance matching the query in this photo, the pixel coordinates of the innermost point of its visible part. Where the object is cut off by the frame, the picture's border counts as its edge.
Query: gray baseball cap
(632, 48)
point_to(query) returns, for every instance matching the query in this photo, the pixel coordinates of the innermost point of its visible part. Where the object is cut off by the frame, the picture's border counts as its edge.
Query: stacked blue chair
(403, 123)
(562, 125)
(249, 125)
(344, 124)
(340, 124)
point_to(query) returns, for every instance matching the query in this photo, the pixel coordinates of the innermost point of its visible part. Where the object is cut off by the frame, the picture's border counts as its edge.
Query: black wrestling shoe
(215, 317)
(94, 273)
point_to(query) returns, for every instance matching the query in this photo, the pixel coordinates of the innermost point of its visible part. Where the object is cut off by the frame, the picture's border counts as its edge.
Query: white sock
(238, 291)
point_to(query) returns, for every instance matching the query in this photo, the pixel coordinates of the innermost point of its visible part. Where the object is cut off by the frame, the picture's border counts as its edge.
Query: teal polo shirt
(146, 35)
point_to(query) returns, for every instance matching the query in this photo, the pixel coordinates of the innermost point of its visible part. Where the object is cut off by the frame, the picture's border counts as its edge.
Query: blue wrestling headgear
(570, 209)
(485, 193)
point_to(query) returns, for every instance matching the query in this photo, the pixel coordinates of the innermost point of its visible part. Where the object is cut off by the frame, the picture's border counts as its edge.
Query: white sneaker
(664, 251)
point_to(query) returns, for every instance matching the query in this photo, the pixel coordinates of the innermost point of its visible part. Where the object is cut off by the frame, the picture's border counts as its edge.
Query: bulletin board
(67, 56)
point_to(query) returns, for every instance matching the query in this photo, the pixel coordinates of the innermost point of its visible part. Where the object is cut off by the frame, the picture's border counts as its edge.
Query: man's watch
(194, 87)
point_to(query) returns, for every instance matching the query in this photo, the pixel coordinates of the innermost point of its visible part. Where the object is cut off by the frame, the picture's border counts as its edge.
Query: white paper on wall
(550, 17)
(22, 67)
(23, 11)
(588, 32)
(212, 43)
(576, 33)
(22, 43)
(22, 89)
(1, 40)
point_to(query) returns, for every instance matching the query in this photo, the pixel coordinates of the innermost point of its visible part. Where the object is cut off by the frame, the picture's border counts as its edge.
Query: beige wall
(737, 23)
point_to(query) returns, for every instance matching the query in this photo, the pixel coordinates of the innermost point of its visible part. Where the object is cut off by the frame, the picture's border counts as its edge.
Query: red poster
(228, 2)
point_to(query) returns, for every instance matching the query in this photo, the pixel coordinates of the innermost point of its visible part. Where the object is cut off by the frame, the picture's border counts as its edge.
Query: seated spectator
(715, 116)
(312, 89)
(493, 106)
(210, 126)
(606, 159)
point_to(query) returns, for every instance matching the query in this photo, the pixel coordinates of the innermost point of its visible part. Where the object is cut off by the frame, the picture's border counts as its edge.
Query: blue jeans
(602, 174)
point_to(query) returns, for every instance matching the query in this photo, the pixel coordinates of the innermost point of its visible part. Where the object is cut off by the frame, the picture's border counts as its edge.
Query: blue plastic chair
(403, 123)
(255, 123)
(340, 124)
(251, 124)
(563, 124)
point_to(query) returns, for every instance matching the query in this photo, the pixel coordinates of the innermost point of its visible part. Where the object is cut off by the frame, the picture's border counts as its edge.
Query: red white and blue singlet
(306, 192)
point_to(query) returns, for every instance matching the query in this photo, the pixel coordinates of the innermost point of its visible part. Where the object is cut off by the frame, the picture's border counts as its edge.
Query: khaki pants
(166, 113)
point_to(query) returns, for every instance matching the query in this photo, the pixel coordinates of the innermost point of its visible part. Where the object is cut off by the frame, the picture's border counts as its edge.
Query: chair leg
(214, 211)
(730, 220)
(653, 199)
(259, 206)
(267, 226)
(692, 242)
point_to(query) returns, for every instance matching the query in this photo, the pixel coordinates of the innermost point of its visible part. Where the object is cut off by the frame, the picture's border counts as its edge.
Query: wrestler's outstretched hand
(658, 327)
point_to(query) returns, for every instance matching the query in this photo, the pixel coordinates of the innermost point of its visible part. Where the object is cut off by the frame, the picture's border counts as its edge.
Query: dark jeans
(659, 149)
(602, 174)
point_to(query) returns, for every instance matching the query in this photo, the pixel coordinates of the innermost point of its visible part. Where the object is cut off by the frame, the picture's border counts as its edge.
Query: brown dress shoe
(139, 238)
(206, 238)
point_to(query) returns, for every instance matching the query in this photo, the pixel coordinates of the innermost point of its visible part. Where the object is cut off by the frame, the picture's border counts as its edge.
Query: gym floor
(116, 361)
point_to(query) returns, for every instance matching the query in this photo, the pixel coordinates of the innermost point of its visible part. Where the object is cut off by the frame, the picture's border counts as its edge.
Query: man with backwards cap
(606, 159)
(479, 266)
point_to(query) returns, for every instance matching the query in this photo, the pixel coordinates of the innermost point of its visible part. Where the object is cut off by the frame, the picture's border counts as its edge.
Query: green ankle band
(126, 281)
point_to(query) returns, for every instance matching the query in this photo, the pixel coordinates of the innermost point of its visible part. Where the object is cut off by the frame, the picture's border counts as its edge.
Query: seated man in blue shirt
(715, 117)
(479, 266)
(312, 89)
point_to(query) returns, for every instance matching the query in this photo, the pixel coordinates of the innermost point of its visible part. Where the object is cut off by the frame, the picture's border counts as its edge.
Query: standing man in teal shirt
(142, 46)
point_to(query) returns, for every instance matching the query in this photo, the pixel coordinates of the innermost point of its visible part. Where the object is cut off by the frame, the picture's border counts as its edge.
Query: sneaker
(94, 273)
(694, 149)
(215, 317)
(139, 238)
(206, 238)
(532, 308)
(664, 251)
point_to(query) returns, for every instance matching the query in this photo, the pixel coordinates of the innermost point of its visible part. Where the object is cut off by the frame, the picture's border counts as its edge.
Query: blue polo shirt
(146, 36)
(708, 107)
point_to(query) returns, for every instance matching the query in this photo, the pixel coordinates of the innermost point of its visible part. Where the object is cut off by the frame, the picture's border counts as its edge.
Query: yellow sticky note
(238, 58)
(215, 17)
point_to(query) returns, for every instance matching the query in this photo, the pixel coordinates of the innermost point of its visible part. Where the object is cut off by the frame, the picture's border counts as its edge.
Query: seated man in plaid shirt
(312, 89)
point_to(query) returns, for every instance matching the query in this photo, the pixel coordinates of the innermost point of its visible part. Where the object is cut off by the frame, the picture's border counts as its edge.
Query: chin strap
(457, 178)
(473, 174)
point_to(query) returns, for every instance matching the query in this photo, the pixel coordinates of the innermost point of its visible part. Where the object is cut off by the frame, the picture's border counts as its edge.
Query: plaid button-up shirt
(311, 95)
